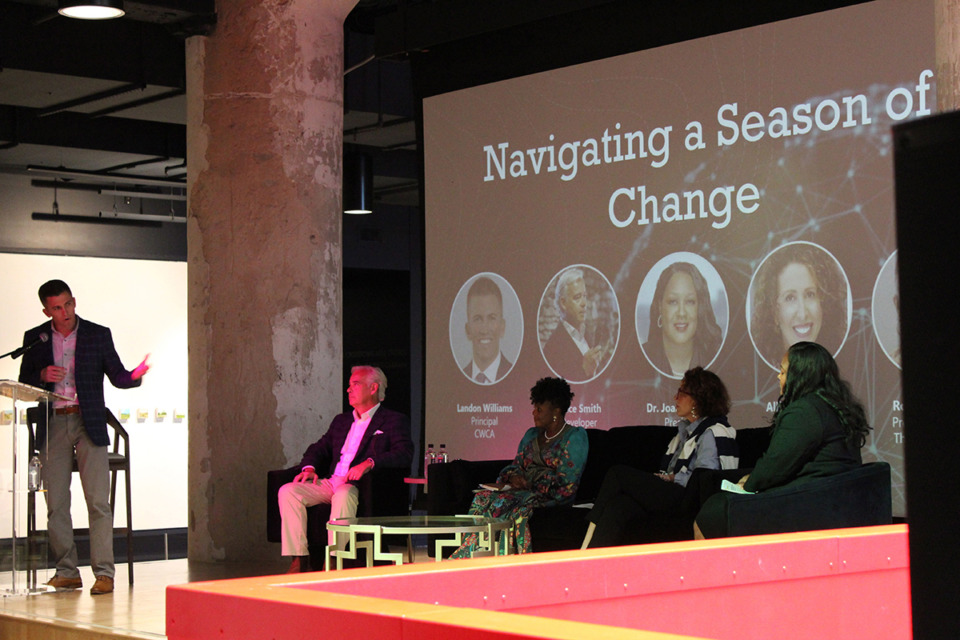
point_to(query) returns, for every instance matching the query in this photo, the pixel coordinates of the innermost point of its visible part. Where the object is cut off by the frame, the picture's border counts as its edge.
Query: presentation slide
(706, 203)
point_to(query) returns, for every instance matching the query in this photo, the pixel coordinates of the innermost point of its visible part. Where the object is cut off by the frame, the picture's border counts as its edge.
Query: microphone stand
(11, 354)
(19, 351)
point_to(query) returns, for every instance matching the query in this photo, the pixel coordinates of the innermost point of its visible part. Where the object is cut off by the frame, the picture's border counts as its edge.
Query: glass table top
(419, 522)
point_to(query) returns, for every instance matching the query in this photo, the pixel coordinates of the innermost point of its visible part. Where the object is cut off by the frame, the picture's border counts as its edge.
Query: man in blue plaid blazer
(70, 357)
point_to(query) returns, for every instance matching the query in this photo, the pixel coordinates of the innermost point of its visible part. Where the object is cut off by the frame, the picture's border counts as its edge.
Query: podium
(26, 557)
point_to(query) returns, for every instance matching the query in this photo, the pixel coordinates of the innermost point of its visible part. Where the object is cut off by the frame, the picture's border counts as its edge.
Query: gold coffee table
(492, 534)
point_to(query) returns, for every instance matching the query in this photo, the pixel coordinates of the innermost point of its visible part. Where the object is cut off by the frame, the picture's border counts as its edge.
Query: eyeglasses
(683, 391)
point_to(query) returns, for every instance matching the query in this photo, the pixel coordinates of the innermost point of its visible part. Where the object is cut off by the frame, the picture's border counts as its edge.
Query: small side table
(493, 535)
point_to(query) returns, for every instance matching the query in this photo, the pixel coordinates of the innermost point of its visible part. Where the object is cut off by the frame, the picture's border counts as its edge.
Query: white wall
(145, 305)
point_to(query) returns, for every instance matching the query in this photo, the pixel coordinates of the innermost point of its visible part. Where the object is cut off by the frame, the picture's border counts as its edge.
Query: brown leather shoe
(59, 582)
(102, 585)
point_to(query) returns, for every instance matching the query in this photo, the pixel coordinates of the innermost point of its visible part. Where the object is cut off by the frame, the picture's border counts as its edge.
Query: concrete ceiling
(107, 98)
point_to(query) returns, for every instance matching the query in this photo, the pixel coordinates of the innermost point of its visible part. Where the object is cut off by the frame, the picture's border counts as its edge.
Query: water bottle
(428, 459)
(442, 454)
(33, 474)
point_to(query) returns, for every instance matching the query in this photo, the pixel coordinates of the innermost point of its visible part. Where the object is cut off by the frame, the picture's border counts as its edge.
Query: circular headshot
(682, 314)
(885, 310)
(798, 293)
(578, 323)
(486, 328)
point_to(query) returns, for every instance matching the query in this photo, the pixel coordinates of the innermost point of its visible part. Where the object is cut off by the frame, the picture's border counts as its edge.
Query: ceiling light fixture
(357, 182)
(91, 9)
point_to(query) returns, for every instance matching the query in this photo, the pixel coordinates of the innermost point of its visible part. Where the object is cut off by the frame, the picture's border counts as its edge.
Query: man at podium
(69, 356)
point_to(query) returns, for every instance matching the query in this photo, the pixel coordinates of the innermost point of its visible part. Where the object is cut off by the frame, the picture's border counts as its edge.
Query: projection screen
(704, 203)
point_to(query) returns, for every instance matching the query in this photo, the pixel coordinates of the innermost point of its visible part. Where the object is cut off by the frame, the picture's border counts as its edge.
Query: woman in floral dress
(545, 472)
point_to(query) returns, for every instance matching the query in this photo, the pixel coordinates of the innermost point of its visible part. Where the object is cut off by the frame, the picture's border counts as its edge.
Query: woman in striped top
(704, 440)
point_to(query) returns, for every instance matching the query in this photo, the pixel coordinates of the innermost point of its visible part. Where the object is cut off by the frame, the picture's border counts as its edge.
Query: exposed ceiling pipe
(374, 127)
(136, 163)
(363, 62)
(137, 103)
(93, 97)
(399, 145)
(103, 219)
(150, 195)
(101, 177)
(175, 167)
(406, 187)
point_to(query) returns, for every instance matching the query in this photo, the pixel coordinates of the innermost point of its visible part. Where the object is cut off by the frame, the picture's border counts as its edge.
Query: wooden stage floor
(129, 612)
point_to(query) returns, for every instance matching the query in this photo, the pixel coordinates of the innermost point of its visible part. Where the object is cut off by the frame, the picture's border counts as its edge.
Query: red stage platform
(847, 583)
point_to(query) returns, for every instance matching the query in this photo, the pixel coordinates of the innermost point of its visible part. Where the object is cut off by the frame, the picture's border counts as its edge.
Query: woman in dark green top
(818, 430)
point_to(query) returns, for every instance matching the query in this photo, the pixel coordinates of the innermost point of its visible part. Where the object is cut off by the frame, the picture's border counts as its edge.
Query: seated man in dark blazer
(355, 442)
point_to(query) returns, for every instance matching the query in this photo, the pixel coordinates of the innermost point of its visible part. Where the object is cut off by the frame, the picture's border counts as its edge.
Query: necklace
(549, 438)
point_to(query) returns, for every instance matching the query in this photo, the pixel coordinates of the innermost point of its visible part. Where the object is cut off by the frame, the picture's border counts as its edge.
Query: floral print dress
(553, 475)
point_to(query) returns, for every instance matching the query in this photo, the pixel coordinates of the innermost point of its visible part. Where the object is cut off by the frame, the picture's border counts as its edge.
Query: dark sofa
(856, 498)
(451, 485)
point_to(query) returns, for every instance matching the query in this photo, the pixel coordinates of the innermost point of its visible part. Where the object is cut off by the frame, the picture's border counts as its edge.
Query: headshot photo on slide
(885, 310)
(682, 314)
(486, 328)
(799, 292)
(578, 323)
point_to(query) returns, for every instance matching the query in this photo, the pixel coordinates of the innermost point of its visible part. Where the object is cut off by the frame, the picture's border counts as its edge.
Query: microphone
(22, 350)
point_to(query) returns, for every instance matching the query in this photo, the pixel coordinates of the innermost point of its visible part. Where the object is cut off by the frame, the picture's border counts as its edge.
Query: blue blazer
(95, 357)
(386, 440)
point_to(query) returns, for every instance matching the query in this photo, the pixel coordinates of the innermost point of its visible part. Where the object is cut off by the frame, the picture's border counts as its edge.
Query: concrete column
(264, 129)
(947, 24)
